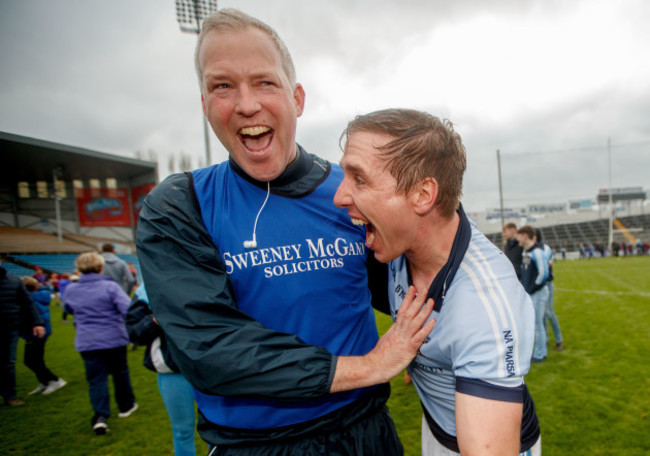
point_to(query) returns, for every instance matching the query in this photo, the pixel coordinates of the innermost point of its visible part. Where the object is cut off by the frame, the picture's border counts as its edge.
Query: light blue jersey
(483, 339)
(534, 268)
(549, 256)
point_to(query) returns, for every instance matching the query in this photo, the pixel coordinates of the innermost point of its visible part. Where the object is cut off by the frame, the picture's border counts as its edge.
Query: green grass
(592, 399)
(59, 424)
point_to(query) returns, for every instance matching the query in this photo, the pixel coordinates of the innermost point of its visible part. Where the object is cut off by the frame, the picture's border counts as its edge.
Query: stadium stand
(43, 189)
(25, 240)
(571, 235)
(23, 249)
(59, 263)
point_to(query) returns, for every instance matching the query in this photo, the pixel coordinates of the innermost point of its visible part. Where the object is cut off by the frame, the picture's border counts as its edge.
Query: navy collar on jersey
(440, 284)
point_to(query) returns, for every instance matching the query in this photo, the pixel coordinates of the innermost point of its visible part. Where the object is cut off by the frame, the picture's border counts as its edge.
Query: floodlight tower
(190, 15)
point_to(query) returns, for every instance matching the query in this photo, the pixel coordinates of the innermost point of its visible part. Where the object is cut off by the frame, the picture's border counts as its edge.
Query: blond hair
(89, 262)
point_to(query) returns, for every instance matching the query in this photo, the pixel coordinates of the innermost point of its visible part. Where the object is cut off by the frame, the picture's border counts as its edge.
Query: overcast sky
(545, 82)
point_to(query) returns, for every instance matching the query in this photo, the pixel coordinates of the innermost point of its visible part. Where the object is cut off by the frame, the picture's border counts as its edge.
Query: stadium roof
(29, 159)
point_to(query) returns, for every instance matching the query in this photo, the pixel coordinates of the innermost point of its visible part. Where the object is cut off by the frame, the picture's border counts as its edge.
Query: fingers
(422, 334)
(425, 312)
(413, 309)
(423, 326)
(411, 304)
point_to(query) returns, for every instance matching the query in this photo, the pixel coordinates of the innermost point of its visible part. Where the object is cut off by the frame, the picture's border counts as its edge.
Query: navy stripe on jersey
(480, 388)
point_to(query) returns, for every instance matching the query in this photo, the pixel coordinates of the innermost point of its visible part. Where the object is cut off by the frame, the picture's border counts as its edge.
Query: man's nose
(247, 101)
(342, 196)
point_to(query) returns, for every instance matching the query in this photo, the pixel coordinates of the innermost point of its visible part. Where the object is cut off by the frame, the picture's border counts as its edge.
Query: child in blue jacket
(35, 347)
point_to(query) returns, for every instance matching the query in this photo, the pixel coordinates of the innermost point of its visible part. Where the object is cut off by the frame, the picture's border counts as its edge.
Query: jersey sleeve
(221, 350)
(489, 341)
(541, 262)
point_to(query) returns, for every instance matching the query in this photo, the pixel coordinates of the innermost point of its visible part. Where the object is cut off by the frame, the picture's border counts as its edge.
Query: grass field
(592, 399)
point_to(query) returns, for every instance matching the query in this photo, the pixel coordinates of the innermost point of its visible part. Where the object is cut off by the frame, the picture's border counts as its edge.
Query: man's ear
(299, 98)
(424, 195)
(205, 113)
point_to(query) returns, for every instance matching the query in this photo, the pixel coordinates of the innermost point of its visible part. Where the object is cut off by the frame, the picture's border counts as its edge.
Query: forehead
(362, 149)
(249, 47)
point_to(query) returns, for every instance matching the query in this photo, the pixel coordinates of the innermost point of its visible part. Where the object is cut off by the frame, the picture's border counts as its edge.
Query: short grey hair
(229, 20)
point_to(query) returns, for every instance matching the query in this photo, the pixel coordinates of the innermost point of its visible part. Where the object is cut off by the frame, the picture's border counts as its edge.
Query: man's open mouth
(256, 138)
(370, 230)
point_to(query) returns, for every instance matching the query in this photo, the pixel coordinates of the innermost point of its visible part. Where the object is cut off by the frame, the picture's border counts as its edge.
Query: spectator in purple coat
(99, 306)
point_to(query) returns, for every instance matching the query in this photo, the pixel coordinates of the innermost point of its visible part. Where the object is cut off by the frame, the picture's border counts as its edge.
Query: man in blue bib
(403, 174)
(259, 281)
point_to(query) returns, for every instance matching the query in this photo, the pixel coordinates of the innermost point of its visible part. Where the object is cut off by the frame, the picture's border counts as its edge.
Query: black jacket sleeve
(140, 325)
(220, 349)
(378, 283)
(30, 315)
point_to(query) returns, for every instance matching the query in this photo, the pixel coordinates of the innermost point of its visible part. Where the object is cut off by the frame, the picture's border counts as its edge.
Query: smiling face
(249, 101)
(524, 241)
(369, 193)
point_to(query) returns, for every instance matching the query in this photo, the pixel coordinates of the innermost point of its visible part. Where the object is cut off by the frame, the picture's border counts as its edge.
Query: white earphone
(252, 244)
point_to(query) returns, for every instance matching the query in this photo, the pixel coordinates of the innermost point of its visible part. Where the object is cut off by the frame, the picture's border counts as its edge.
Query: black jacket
(194, 301)
(514, 253)
(143, 330)
(182, 269)
(17, 309)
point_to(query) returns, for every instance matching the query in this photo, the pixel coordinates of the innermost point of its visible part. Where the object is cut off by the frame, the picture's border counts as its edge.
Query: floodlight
(190, 13)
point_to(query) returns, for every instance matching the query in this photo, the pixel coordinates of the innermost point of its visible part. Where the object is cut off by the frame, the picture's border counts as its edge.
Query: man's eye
(359, 180)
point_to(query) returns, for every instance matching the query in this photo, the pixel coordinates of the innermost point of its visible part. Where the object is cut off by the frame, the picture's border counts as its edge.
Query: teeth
(356, 221)
(254, 131)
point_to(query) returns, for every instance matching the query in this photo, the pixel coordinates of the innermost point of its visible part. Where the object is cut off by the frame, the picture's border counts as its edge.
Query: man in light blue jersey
(550, 315)
(534, 276)
(403, 173)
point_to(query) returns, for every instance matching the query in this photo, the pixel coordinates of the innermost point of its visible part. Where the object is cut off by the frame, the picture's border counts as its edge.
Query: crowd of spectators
(619, 249)
(109, 312)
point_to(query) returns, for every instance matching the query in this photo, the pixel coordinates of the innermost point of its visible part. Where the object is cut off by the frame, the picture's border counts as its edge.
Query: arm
(64, 298)
(31, 315)
(542, 266)
(220, 349)
(394, 351)
(140, 324)
(128, 277)
(120, 299)
(487, 427)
